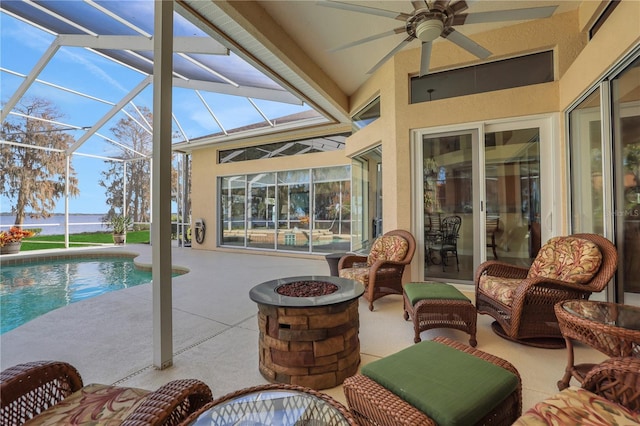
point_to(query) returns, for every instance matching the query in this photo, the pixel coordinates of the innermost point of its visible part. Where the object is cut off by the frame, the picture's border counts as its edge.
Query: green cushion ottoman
(439, 305)
(441, 382)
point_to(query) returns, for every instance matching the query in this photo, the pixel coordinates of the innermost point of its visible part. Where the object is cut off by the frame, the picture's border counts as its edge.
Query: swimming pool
(28, 290)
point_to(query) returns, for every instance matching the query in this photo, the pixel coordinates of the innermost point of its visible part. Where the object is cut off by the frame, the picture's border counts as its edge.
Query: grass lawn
(41, 242)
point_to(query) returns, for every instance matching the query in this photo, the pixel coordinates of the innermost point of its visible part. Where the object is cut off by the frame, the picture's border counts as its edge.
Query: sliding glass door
(491, 179)
(512, 187)
(447, 194)
(605, 171)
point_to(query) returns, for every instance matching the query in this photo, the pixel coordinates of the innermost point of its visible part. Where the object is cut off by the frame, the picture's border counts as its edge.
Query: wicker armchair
(522, 300)
(609, 393)
(381, 271)
(53, 392)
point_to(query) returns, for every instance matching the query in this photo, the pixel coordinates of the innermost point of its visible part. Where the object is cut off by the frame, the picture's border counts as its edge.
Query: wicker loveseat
(52, 393)
(610, 393)
(381, 271)
(521, 300)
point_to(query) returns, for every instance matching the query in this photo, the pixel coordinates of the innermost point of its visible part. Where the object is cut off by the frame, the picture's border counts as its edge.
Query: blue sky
(21, 45)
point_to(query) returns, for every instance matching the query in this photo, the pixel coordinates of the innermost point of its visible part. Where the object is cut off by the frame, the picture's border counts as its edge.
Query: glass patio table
(274, 404)
(611, 328)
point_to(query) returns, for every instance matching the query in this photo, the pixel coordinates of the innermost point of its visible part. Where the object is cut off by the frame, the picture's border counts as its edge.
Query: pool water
(29, 290)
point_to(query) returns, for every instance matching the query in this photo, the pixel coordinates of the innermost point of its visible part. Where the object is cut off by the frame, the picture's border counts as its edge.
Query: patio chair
(492, 227)
(450, 230)
(52, 392)
(522, 300)
(381, 271)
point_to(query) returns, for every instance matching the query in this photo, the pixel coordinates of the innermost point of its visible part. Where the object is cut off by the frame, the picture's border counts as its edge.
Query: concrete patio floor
(109, 338)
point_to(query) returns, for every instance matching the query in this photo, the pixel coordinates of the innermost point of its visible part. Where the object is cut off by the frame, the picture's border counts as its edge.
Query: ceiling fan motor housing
(426, 25)
(429, 30)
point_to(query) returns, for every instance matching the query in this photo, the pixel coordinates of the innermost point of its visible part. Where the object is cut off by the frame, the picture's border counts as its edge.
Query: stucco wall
(619, 34)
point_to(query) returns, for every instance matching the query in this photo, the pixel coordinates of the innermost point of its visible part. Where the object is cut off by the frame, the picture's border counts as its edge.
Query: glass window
(232, 210)
(332, 209)
(515, 72)
(295, 210)
(366, 115)
(294, 201)
(513, 195)
(586, 166)
(261, 210)
(283, 149)
(605, 170)
(625, 123)
(366, 207)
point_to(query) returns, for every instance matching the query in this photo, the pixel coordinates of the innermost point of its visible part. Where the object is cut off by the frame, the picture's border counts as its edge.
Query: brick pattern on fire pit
(315, 347)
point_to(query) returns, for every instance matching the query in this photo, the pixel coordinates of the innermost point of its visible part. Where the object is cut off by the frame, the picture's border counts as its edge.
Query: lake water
(54, 225)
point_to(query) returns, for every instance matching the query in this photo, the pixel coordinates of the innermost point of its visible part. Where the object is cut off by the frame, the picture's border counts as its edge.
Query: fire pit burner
(307, 289)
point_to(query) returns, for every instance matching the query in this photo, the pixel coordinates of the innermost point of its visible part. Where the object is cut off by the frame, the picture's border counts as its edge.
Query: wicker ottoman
(438, 305)
(452, 382)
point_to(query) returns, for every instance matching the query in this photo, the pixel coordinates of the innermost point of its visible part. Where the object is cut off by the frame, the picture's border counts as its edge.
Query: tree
(135, 151)
(33, 179)
(137, 143)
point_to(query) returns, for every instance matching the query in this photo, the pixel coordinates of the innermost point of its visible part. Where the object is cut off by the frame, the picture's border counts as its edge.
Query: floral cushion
(499, 288)
(569, 259)
(362, 274)
(579, 407)
(359, 274)
(92, 405)
(391, 247)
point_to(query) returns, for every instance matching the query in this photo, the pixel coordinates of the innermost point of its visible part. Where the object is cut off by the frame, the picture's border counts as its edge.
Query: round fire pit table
(308, 330)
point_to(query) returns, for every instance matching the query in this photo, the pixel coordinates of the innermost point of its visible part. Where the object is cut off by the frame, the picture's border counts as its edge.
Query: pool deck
(109, 338)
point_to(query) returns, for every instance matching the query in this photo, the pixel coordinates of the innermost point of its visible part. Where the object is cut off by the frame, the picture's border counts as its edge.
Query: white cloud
(92, 68)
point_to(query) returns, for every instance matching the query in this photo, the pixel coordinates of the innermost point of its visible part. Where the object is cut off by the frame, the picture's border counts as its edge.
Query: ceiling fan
(432, 19)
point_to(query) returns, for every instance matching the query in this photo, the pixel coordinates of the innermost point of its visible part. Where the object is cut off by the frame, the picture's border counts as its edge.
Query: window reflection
(586, 166)
(626, 137)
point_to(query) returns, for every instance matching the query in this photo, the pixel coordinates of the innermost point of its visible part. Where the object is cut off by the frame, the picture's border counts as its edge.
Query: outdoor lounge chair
(51, 392)
(522, 300)
(381, 271)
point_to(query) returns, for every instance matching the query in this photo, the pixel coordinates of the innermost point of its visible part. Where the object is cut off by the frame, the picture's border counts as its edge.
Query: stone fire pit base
(316, 347)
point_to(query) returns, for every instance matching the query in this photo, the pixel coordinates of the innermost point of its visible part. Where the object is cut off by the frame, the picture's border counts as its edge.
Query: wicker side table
(611, 328)
(439, 305)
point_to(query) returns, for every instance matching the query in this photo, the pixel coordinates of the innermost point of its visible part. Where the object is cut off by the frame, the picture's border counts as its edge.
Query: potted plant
(11, 240)
(119, 225)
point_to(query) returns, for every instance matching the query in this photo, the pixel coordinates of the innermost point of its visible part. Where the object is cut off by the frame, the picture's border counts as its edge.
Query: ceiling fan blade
(441, 5)
(364, 9)
(419, 4)
(425, 58)
(368, 39)
(505, 15)
(395, 50)
(466, 43)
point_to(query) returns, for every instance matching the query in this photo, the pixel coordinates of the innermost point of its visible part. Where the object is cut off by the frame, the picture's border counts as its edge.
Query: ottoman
(439, 305)
(439, 382)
